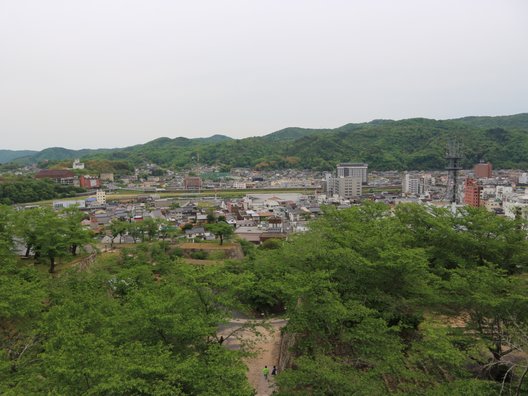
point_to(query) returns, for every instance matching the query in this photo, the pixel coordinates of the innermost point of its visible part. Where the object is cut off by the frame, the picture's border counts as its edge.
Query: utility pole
(453, 157)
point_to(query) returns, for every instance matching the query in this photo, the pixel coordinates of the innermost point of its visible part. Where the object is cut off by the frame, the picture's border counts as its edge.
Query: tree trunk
(52, 265)
(221, 240)
(28, 249)
(74, 249)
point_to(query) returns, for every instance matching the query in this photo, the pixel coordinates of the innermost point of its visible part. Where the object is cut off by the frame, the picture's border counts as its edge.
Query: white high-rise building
(348, 169)
(415, 184)
(410, 184)
(344, 187)
(348, 187)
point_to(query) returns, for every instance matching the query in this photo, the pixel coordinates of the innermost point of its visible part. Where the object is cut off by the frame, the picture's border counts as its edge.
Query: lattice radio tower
(453, 157)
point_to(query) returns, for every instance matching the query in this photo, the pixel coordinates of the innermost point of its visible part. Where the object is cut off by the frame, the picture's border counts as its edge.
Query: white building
(77, 164)
(514, 205)
(346, 187)
(68, 203)
(100, 197)
(501, 191)
(411, 184)
(416, 184)
(348, 169)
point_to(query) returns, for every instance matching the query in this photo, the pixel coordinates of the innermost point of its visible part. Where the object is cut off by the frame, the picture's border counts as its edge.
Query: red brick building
(89, 182)
(483, 170)
(472, 192)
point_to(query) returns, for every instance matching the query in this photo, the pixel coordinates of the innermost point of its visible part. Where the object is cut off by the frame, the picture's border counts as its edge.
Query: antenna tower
(453, 157)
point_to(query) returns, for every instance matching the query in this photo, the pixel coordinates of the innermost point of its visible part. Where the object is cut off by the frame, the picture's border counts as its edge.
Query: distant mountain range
(416, 143)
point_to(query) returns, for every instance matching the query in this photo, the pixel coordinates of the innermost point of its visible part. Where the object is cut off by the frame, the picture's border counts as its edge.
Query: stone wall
(285, 355)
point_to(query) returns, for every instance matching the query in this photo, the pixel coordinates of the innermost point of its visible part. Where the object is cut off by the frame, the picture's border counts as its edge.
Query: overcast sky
(108, 73)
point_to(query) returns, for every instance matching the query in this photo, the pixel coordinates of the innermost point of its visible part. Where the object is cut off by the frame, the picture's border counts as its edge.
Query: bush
(247, 247)
(271, 244)
(199, 255)
(217, 255)
(176, 252)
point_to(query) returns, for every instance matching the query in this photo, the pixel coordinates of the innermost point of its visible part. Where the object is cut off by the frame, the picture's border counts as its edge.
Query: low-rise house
(201, 218)
(195, 232)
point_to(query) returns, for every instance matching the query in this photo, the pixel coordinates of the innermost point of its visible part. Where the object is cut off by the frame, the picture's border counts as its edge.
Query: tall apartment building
(472, 192)
(411, 184)
(483, 170)
(415, 184)
(348, 169)
(347, 186)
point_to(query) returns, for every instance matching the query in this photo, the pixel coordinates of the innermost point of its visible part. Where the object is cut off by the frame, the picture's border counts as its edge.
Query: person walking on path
(274, 370)
(265, 371)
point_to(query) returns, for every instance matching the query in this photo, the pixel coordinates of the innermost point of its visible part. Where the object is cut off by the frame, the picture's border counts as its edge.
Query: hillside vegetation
(379, 301)
(384, 144)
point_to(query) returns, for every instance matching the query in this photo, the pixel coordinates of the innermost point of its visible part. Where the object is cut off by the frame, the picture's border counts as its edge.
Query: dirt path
(265, 347)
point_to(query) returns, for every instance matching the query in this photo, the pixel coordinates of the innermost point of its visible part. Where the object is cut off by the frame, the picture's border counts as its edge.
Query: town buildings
(192, 183)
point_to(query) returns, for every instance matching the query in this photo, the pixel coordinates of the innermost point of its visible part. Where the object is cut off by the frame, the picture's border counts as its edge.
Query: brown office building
(472, 193)
(483, 170)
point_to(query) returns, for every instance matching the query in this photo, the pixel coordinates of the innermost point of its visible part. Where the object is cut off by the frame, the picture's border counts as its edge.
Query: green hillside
(512, 121)
(384, 144)
(10, 155)
(417, 143)
(407, 144)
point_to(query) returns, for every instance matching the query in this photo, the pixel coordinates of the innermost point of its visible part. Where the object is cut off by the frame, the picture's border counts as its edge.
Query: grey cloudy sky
(109, 73)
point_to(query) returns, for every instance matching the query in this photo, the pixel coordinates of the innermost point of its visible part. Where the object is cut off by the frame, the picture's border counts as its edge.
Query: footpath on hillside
(263, 341)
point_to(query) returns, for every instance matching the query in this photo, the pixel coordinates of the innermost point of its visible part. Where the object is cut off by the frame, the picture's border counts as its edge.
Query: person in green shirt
(265, 371)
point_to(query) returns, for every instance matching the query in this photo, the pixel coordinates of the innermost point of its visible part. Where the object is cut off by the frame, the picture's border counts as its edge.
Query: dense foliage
(407, 301)
(27, 189)
(384, 144)
(139, 323)
(371, 293)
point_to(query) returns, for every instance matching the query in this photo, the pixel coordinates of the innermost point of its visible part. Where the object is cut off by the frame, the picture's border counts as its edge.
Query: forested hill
(384, 144)
(417, 143)
(10, 155)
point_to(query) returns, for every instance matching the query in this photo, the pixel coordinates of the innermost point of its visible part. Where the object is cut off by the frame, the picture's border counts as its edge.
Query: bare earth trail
(265, 346)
